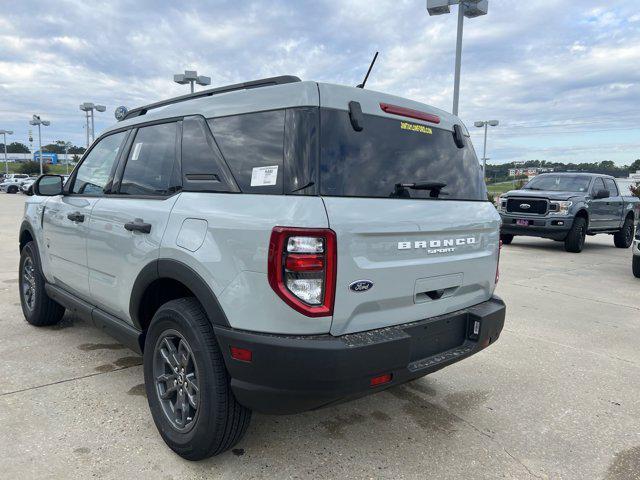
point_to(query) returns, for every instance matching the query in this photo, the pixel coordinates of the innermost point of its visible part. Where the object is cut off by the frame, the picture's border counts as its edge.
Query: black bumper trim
(292, 374)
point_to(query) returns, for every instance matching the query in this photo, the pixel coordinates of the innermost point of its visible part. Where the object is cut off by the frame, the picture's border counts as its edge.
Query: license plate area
(437, 336)
(522, 222)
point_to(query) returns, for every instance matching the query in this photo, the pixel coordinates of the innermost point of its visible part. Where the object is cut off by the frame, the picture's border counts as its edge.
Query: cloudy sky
(562, 76)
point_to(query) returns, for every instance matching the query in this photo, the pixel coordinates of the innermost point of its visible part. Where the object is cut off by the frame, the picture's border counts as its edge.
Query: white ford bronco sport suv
(275, 245)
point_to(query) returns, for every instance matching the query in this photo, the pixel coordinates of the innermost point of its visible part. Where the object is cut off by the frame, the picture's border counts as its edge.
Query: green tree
(635, 166)
(31, 168)
(15, 147)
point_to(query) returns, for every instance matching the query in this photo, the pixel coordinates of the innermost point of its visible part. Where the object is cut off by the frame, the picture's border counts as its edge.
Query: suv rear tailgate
(424, 258)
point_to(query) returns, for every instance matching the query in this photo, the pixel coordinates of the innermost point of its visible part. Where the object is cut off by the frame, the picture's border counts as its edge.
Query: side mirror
(601, 194)
(48, 185)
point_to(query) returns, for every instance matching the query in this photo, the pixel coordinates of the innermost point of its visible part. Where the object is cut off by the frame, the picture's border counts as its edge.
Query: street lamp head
(46, 123)
(202, 80)
(478, 124)
(438, 7)
(493, 123)
(180, 79)
(100, 108)
(190, 75)
(475, 8)
(6, 132)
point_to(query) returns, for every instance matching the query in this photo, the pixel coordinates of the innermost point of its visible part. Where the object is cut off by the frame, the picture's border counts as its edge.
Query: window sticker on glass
(262, 176)
(136, 151)
(414, 127)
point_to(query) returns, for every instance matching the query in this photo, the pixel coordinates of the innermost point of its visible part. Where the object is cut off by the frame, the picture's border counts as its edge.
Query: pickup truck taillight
(498, 264)
(302, 268)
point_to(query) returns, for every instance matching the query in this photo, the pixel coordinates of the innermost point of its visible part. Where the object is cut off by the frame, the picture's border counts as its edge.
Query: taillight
(302, 268)
(498, 264)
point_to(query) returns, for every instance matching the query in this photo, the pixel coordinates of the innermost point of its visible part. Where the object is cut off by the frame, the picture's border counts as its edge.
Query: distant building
(635, 176)
(528, 171)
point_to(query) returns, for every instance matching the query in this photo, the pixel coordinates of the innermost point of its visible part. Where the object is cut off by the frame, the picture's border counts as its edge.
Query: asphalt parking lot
(556, 397)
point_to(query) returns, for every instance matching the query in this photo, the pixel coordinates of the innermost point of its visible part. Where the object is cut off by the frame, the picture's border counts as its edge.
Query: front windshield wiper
(435, 189)
(531, 188)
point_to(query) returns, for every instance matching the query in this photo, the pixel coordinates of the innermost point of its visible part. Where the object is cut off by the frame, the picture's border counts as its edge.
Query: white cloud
(550, 63)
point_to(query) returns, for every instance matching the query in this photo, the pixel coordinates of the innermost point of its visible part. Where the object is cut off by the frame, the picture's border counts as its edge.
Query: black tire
(37, 307)
(575, 238)
(506, 238)
(636, 265)
(12, 189)
(624, 237)
(217, 421)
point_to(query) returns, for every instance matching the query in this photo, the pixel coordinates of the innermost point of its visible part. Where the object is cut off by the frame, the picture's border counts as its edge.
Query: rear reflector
(498, 264)
(381, 379)
(241, 354)
(410, 113)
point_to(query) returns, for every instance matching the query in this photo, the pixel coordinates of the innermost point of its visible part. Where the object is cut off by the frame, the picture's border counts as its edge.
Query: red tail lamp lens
(410, 113)
(304, 262)
(381, 379)
(241, 354)
(302, 268)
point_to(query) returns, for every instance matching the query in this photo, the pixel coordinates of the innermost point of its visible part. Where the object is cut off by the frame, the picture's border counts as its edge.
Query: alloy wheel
(176, 380)
(28, 283)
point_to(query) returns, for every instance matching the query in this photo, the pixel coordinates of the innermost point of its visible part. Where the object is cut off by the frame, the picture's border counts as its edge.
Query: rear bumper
(556, 228)
(290, 374)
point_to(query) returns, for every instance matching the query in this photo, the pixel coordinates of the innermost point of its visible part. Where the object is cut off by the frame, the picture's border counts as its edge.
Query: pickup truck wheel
(575, 238)
(624, 237)
(187, 384)
(636, 265)
(37, 307)
(506, 238)
(12, 189)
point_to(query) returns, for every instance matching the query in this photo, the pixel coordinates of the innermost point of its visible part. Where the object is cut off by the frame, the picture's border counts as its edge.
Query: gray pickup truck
(567, 207)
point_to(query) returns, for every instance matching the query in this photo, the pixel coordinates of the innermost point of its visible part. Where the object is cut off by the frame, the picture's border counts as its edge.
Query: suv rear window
(371, 162)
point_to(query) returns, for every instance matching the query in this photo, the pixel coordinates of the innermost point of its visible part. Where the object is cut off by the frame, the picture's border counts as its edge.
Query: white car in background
(12, 182)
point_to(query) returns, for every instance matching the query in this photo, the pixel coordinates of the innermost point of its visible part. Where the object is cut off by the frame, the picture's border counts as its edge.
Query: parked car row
(20, 182)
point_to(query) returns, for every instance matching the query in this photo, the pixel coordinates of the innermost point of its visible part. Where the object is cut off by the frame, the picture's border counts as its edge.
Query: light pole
(466, 8)
(38, 121)
(191, 77)
(486, 124)
(88, 108)
(6, 162)
(66, 153)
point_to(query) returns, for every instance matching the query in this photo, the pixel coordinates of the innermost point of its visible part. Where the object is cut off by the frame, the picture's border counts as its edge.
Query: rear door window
(252, 145)
(150, 165)
(387, 152)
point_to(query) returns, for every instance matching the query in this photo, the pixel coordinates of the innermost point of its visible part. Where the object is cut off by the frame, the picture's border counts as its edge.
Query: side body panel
(115, 255)
(225, 239)
(65, 241)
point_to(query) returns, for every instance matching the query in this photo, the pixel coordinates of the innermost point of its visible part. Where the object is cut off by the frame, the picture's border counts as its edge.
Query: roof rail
(264, 82)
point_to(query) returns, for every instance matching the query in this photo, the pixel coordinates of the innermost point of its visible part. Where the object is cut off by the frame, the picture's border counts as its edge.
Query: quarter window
(598, 185)
(150, 164)
(253, 145)
(95, 171)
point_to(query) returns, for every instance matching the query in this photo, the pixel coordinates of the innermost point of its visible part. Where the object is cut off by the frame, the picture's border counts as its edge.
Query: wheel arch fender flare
(181, 272)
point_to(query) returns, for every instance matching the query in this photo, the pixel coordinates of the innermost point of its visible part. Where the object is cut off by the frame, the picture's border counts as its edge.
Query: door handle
(138, 225)
(76, 217)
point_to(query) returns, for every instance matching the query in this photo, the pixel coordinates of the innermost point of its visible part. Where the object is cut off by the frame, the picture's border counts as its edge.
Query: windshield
(559, 183)
(387, 152)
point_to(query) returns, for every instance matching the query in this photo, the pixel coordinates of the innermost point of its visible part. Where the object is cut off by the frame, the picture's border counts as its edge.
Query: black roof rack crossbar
(264, 82)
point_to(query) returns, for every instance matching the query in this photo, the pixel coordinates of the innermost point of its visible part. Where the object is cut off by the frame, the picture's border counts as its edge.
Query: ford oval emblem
(361, 286)
(525, 206)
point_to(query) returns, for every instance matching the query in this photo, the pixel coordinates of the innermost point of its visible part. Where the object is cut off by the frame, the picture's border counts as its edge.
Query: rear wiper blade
(435, 188)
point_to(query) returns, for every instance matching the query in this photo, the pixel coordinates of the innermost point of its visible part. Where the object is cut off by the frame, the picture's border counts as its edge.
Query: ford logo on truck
(361, 286)
(525, 206)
